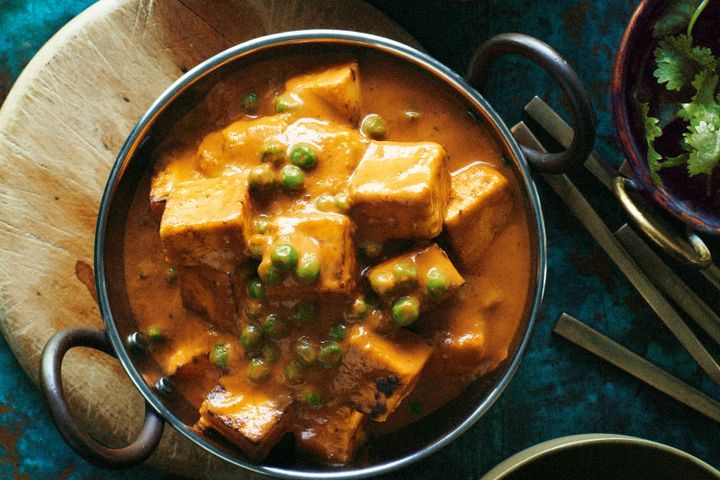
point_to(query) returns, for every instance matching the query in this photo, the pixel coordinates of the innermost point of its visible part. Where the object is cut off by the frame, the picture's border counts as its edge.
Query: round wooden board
(61, 128)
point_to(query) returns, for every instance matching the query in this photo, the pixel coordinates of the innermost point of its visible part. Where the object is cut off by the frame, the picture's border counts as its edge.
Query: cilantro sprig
(652, 131)
(655, 161)
(693, 72)
(678, 62)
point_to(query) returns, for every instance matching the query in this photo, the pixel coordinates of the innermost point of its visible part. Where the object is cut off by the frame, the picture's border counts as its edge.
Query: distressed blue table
(559, 389)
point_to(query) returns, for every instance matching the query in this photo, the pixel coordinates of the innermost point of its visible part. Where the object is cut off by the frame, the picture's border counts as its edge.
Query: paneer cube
(400, 190)
(211, 293)
(175, 166)
(471, 338)
(253, 422)
(326, 236)
(239, 145)
(480, 206)
(204, 223)
(464, 354)
(330, 434)
(435, 276)
(332, 93)
(341, 150)
(462, 350)
(378, 371)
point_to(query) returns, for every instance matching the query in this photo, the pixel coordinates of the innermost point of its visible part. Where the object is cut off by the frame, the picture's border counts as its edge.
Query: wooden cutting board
(61, 128)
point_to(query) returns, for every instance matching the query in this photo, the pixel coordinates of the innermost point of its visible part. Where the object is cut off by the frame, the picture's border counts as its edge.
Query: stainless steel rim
(395, 49)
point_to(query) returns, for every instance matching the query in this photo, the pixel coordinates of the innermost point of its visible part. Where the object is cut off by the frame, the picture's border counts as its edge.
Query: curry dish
(338, 254)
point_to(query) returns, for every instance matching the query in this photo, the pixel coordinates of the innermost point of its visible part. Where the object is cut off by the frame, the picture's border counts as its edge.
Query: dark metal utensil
(668, 281)
(612, 352)
(712, 275)
(592, 222)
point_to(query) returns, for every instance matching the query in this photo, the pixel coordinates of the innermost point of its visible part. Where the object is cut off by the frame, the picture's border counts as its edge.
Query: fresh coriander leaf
(704, 105)
(652, 131)
(676, 18)
(704, 139)
(676, 161)
(703, 113)
(655, 164)
(678, 62)
(679, 65)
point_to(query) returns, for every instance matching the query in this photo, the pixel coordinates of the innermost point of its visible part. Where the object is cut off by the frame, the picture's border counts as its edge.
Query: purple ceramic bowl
(631, 57)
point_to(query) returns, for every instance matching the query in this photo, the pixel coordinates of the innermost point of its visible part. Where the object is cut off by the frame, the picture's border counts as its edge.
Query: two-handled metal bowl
(633, 54)
(385, 453)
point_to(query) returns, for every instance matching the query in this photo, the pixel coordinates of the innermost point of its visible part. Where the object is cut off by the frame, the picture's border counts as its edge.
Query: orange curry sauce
(465, 335)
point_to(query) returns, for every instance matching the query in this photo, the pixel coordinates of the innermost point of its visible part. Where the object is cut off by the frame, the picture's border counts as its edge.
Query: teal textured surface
(559, 389)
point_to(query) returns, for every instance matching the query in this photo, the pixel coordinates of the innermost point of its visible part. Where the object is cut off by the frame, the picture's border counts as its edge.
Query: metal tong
(647, 272)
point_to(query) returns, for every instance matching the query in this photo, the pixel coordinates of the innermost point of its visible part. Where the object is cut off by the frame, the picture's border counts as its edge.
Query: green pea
(292, 177)
(437, 283)
(171, 275)
(251, 337)
(405, 311)
(305, 352)
(256, 289)
(371, 249)
(156, 335)
(273, 153)
(312, 399)
(262, 223)
(304, 313)
(258, 370)
(374, 126)
(283, 103)
(325, 203)
(330, 354)
(308, 269)
(382, 282)
(405, 273)
(257, 244)
(360, 308)
(284, 256)
(250, 102)
(270, 352)
(253, 309)
(338, 331)
(261, 177)
(272, 275)
(276, 326)
(294, 373)
(303, 155)
(219, 356)
(341, 202)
